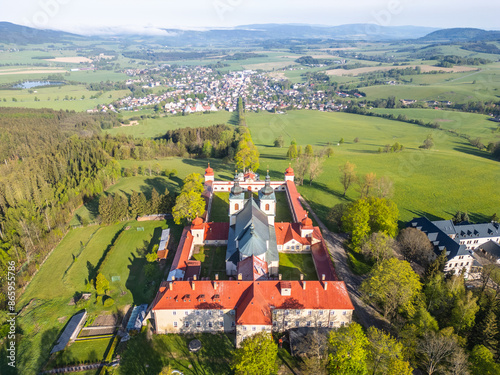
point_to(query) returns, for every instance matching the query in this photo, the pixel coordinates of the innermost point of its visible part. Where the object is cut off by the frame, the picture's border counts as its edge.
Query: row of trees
(369, 185)
(117, 207)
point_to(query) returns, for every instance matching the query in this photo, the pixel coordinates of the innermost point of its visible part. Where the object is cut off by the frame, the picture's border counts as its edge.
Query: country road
(364, 314)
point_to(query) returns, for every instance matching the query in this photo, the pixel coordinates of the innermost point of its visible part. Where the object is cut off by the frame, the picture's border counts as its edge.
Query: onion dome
(197, 221)
(236, 189)
(209, 171)
(289, 171)
(306, 222)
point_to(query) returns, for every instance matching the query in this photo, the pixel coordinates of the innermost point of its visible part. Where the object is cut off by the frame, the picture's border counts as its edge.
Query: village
(188, 89)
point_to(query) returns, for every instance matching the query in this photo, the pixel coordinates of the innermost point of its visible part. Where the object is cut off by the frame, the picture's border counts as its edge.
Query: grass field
(91, 351)
(61, 276)
(220, 208)
(435, 182)
(149, 128)
(292, 265)
(474, 125)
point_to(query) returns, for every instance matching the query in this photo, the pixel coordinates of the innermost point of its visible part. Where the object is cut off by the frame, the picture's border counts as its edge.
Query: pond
(31, 84)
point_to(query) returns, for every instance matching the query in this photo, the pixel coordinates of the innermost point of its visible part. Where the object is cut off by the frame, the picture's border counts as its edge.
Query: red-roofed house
(248, 307)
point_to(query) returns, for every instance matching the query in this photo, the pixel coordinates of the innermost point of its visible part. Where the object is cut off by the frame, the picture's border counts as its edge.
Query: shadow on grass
(475, 152)
(428, 215)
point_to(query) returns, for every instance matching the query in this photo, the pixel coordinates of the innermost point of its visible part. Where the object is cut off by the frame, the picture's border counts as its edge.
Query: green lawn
(292, 265)
(90, 351)
(213, 261)
(283, 213)
(220, 208)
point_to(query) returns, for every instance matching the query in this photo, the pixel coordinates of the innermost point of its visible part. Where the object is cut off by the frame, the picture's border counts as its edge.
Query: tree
(154, 203)
(464, 311)
(356, 140)
(106, 208)
(378, 246)
(101, 284)
(166, 202)
(347, 175)
(247, 155)
(495, 218)
(437, 265)
(384, 188)
(138, 204)
(279, 142)
(315, 168)
(206, 150)
(328, 151)
(393, 286)
(341, 141)
(348, 351)
(188, 206)
(385, 354)
(257, 355)
(193, 182)
(436, 350)
(309, 151)
(384, 216)
(482, 361)
(355, 221)
(301, 168)
(415, 245)
(428, 142)
(367, 185)
(292, 152)
(335, 214)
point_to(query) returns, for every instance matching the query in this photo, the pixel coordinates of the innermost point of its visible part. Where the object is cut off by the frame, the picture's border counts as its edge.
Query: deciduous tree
(348, 346)
(393, 286)
(347, 175)
(257, 355)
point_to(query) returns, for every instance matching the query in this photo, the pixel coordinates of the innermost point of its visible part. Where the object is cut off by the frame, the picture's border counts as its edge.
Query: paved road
(364, 314)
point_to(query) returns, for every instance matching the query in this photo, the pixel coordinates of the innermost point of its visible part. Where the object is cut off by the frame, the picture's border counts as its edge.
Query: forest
(52, 162)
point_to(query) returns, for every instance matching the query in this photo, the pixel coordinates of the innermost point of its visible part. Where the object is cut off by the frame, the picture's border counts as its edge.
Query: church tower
(267, 200)
(236, 199)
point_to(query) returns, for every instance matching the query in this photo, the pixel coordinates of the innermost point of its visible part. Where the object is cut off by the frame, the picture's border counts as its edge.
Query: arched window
(236, 206)
(267, 206)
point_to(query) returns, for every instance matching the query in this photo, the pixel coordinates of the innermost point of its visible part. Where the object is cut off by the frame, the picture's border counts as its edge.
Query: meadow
(435, 182)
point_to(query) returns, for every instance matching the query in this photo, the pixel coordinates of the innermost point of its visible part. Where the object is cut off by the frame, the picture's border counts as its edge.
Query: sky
(149, 16)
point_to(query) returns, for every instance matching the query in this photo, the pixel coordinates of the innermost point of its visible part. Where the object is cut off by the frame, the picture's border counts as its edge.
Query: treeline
(220, 141)
(165, 56)
(243, 56)
(448, 61)
(482, 47)
(51, 164)
(118, 207)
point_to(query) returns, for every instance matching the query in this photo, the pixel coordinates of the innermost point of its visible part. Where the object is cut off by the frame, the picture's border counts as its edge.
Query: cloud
(123, 30)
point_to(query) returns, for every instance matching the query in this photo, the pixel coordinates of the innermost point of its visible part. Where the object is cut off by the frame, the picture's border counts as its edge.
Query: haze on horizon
(148, 16)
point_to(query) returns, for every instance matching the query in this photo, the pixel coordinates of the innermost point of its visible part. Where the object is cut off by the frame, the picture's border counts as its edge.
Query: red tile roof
(209, 171)
(182, 253)
(216, 231)
(321, 257)
(286, 232)
(253, 300)
(298, 212)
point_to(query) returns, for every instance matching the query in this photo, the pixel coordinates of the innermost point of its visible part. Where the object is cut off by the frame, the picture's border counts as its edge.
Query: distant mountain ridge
(17, 34)
(12, 33)
(461, 35)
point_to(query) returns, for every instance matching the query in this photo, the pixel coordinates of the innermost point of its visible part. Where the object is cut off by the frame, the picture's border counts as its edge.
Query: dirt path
(364, 314)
